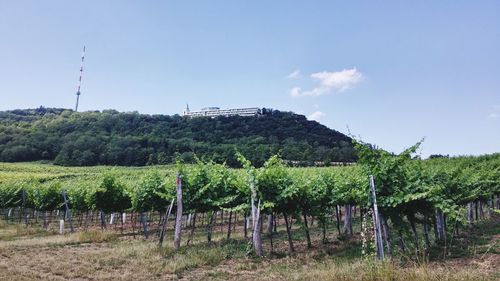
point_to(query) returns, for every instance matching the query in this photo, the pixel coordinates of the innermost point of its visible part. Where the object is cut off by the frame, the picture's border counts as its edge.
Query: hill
(131, 139)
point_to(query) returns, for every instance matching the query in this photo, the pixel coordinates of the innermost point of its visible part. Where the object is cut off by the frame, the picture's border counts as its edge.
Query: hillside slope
(132, 139)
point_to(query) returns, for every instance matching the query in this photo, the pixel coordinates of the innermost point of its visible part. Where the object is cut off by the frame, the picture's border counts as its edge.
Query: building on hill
(216, 111)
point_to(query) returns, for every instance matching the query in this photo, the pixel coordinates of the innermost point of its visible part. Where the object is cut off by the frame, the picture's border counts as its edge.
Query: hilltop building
(216, 111)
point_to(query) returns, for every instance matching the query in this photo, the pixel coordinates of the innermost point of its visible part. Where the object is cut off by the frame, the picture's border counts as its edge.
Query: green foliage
(408, 189)
(77, 197)
(110, 196)
(315, 196)
(148, 194)
(46, 197)
(411, 188)
(130, 139)
(210, 186)
(274, 186)
(10, 196)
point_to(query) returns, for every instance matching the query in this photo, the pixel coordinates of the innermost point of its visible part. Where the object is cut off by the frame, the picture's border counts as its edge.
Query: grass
(11, 232)
(96, 236)
(369, 270)
(34, 254)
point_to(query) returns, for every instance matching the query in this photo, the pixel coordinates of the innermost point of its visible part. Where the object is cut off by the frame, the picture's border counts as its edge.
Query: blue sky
(390, 71)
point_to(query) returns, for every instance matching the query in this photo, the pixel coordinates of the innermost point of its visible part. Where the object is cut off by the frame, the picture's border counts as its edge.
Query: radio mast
(80, 80)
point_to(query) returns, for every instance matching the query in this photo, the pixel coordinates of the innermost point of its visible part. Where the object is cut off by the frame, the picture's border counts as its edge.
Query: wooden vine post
(257, 234)
(144, 223)
(68, 210)
(178, 217)
(165, 220)
(23, 206)
(378, 232)
(256, 220)
(253, 197)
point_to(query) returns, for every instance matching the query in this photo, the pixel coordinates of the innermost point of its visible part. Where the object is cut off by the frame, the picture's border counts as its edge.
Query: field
(270, 223)
(31, 253)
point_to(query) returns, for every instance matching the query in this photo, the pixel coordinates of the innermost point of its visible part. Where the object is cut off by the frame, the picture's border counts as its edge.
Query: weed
(96, 236)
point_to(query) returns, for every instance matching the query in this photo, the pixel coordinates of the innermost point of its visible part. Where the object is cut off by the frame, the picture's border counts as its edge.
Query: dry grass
(368, 270)
(96, 236)
(104, 256)
(32, 254)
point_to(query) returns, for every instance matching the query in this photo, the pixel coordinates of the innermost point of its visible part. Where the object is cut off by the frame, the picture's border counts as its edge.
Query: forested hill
(132, 139)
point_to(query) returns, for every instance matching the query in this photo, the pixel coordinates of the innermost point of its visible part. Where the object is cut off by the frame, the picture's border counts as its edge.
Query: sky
(387, 72)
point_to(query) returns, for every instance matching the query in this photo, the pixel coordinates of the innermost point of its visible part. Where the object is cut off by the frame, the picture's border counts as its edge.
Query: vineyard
(411, 209)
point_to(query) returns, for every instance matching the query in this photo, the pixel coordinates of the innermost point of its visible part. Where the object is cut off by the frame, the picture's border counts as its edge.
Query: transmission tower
(80, 80)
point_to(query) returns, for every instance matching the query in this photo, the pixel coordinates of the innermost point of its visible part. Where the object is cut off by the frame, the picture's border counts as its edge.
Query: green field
(439, 220)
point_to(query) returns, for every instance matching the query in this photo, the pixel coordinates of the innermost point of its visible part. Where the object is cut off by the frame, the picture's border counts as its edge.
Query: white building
(216, 111)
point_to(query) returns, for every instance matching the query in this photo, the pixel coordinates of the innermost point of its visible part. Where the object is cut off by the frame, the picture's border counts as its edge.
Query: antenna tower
(80, 80)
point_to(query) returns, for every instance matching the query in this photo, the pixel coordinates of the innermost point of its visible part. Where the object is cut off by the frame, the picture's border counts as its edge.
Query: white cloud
(295, 92)
(319, 91)
(330, 81)
(496, 111)
(340, 80)
(295, 74)
(316, 115)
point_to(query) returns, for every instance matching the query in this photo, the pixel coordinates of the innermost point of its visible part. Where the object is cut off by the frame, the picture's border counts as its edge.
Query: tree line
(109, 137)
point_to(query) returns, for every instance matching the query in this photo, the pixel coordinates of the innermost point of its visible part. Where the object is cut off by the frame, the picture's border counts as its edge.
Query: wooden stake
(378, 232)
(68, 210)
(165, 220)
(178, 217)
